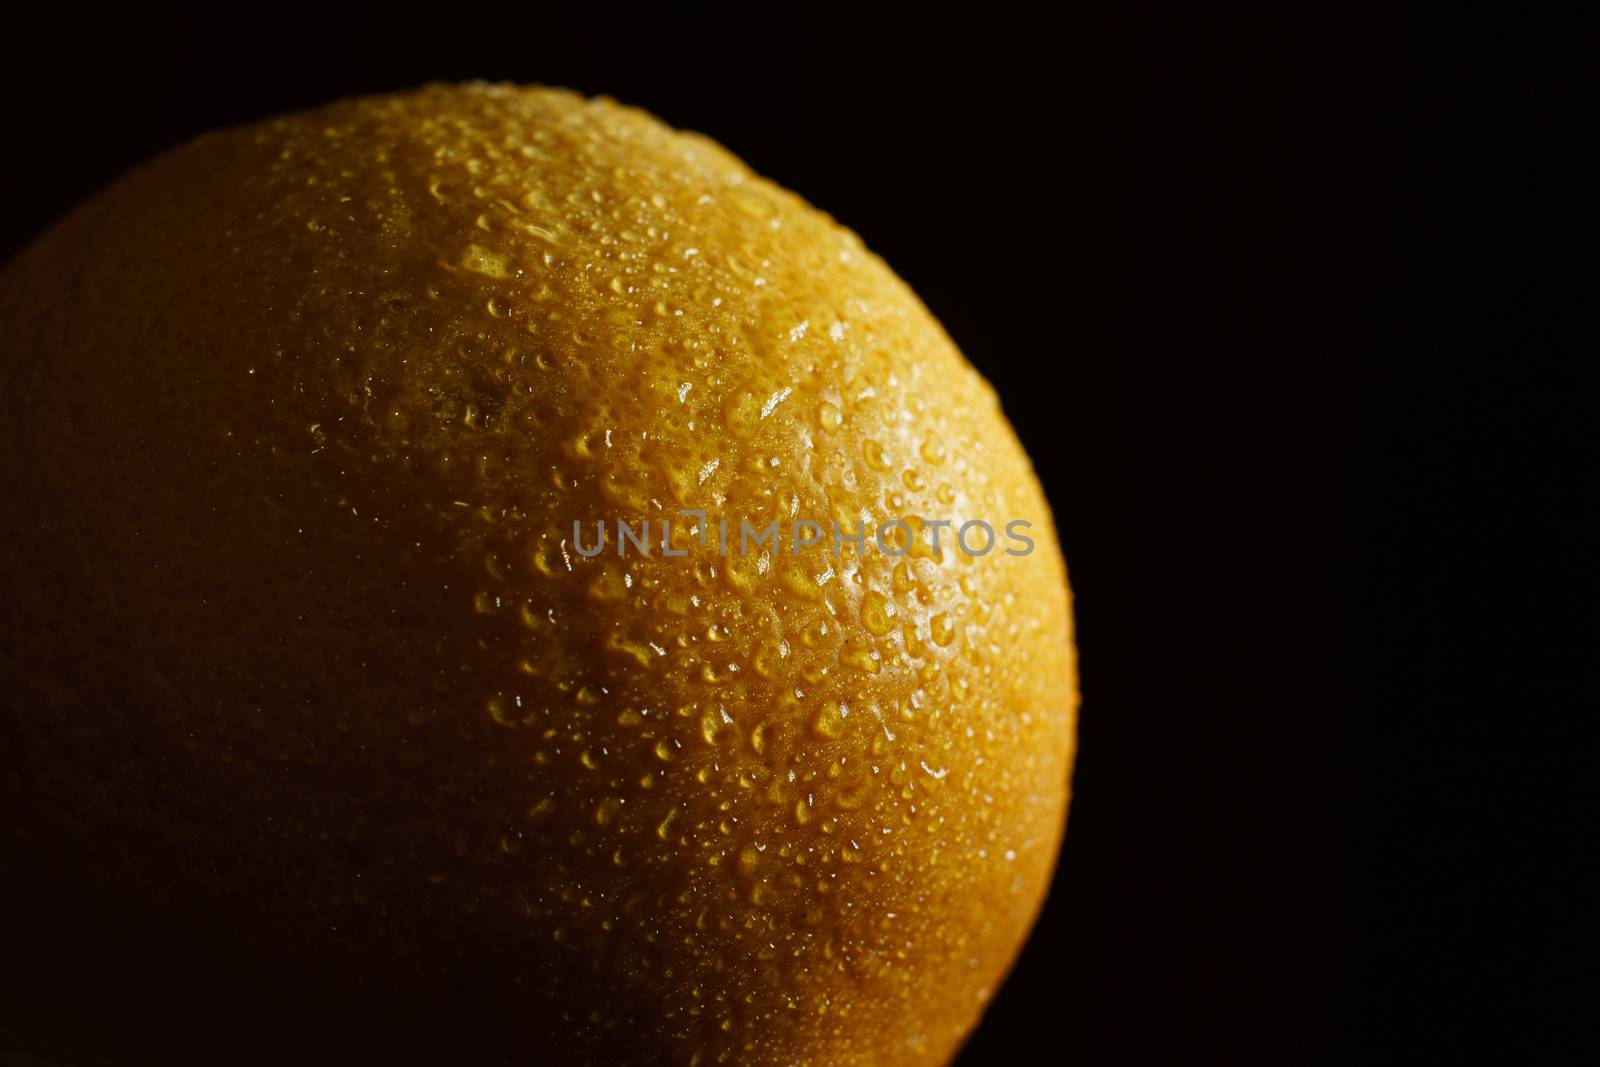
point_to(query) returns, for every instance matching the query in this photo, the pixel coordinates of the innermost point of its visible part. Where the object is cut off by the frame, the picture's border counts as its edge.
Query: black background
(1196, 257)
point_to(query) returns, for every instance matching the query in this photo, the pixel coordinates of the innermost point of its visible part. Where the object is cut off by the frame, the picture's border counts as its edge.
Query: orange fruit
(316, 707)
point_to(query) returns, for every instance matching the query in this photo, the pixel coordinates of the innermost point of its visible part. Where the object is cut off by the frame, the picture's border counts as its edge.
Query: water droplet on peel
(829, 723)
(904, 579)
(664, 828)
(501, 709)
(489, 263)
(752, 203)
(767, 659)
(749, 860)
(874, 454)
(711, 727)
(541, 809)
(862, 659)
(877, 613)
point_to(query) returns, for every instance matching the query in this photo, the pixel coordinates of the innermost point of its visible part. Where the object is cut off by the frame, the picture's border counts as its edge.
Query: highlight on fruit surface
(329, 718)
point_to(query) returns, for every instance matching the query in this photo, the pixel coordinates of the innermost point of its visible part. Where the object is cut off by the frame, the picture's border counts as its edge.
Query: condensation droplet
(541, 809)
(664, 828)
(711, 727)
(877, 613)
(749, 860)
(502, 709)
(489, 263)
(829, 723)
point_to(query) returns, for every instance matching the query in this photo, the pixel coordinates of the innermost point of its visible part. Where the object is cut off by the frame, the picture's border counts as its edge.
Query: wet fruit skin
(301, 674)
